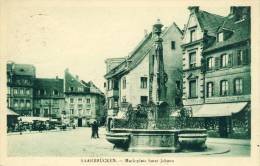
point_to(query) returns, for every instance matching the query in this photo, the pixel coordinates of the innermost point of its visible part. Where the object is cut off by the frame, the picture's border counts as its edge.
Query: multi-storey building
(216, 68)
(20, 79)
(49, 98)
(83, 101)
(129, 80)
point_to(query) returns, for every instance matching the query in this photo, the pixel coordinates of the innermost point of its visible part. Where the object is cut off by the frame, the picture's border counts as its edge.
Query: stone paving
(77, 143)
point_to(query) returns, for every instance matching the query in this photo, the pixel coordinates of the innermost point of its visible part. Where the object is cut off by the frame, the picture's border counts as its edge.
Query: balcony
(112, 92)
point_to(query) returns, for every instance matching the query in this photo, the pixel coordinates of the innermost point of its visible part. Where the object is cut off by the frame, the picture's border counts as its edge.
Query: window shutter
(217, 63)
(245, 56)
(230, 60)
(235, 58)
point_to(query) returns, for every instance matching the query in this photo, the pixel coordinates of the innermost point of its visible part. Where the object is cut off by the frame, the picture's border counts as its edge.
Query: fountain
(152, 137)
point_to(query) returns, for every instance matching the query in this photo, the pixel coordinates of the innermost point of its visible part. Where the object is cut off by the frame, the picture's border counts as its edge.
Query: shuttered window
(217, 62)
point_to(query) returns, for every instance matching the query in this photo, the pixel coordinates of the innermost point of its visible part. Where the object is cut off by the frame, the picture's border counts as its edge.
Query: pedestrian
(93, 129)
(96, 129)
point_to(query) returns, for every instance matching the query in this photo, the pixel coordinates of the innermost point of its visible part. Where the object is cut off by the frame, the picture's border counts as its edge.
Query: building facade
(216, 69)
(49, 98)
(68, 100)
(20, 80)
(128, 82)
(83, 101)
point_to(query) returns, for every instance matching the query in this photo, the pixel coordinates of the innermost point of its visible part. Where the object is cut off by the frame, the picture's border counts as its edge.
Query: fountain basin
(120, 140)
(192, 139)
(156, 141)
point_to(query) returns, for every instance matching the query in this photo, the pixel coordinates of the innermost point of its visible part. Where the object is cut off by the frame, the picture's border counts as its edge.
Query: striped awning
(218, 110)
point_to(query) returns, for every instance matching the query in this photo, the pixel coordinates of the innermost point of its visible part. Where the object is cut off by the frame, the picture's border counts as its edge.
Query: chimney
(193, 9)
(77, 77)
(57, 77)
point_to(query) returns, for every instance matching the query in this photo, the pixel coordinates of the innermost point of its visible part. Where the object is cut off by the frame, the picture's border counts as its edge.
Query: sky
(81, 37)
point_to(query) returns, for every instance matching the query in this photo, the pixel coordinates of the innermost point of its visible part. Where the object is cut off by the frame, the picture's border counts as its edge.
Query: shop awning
(11, 113)
(218, 110)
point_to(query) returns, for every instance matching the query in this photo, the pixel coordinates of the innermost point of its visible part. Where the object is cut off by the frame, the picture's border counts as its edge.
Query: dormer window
(220, 37)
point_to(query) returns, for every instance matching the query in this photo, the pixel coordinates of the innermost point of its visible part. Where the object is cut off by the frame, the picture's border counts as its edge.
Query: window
(55, 92)
(27, 91)
(115, 83)
(220, 37)
(238, 86)
(193, 89)
(8, 90)
(28, 103)
(124, 83)
(22, 103)
(21, 91)
(15, 91)
(209, 89)
(192, 35)
(71, 89)
(72, 111)
(15, 103)
(124, 99)
(144, 100)
(210, 63)
(80, 89)
(223, 88)
(79, 100)
(80, 106)
(105, 85)
(173, 45)
(143, 82)
(240, 57)
(110, 101)
(192, 58)
(109, 84)
(88, 100)
(224, 60)
(116, 103)
(71, 100)
(42, 92)
(88, 112)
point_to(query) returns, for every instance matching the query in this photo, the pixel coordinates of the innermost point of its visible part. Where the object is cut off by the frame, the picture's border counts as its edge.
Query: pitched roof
(209, 22)
(88, 87)
(73, 84)
(133, 57)
(49, 85)
(137, 55)
(239, 31)
(94, 88)
(21, 69)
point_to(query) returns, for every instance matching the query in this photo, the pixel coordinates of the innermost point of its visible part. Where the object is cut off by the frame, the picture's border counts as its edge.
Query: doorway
(80, 122)
(223, 133)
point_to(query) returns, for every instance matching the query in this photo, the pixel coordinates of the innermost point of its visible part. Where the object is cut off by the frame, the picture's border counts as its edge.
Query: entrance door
(80, 122)
(223, 127)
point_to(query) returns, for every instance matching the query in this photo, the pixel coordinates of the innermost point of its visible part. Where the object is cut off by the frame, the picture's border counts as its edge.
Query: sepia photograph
(108, 83)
